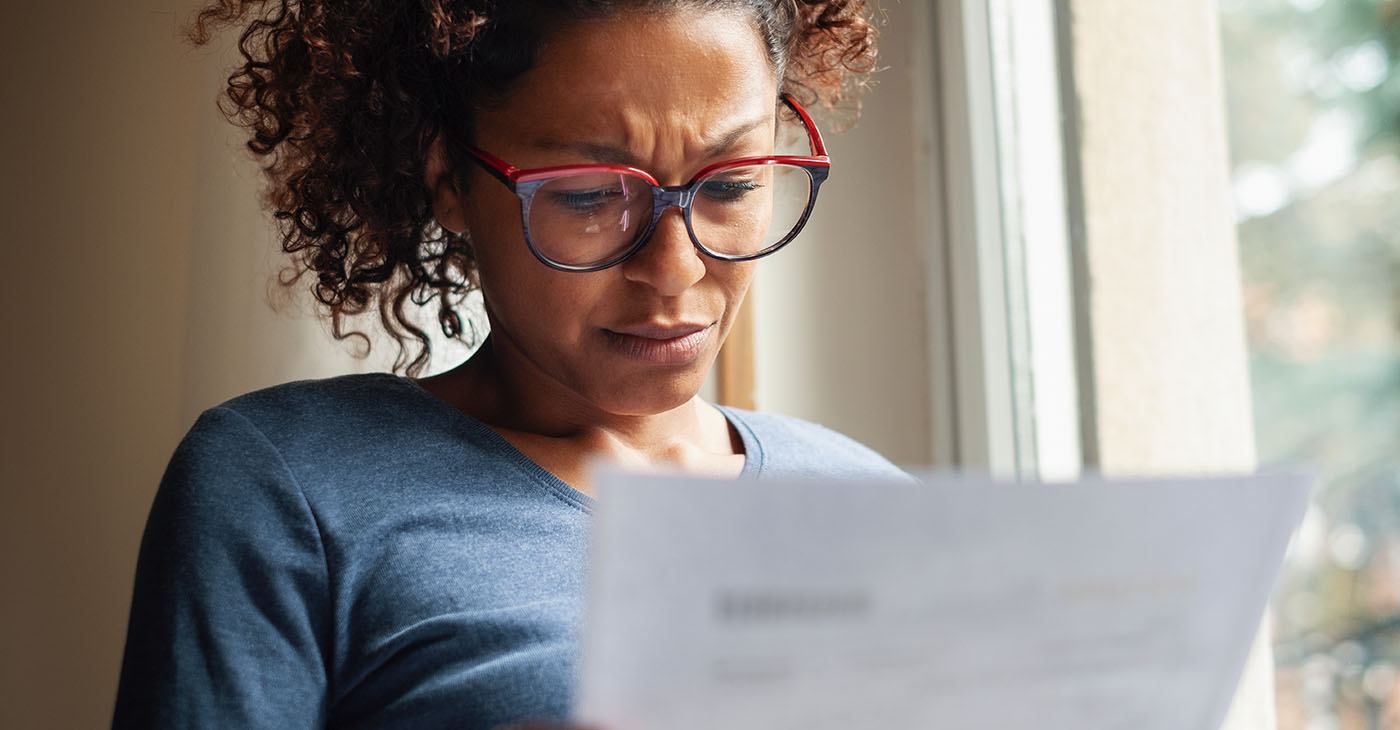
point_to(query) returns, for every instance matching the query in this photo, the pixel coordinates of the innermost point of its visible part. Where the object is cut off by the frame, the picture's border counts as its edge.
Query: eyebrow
(619, 156)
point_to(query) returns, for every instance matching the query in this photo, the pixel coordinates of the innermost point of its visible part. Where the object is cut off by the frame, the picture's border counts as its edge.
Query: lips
(660, 344)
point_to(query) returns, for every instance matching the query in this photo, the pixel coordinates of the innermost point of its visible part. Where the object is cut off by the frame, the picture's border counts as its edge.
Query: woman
(378, 551)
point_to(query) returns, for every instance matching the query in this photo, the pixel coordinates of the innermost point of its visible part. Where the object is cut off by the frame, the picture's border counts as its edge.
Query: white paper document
(953, 604)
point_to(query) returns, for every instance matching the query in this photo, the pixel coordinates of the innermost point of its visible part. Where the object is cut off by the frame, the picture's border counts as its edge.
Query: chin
(649, 396)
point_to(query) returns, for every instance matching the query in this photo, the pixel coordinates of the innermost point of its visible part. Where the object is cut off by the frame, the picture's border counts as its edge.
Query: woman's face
(670, 94)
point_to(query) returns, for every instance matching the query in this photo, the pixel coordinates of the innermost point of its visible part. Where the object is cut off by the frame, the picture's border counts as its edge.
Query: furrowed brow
(603, 153)
(609, 154)
(732, 137)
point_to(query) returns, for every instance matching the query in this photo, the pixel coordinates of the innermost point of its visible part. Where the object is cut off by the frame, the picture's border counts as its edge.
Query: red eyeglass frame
(525, 182)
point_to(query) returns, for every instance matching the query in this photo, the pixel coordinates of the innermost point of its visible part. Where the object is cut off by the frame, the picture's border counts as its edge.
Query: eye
(585, 201)
(722, 191)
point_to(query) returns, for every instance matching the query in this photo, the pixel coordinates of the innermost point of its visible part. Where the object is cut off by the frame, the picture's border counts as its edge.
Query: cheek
(524, 296)
(518, 289)
(734, 277)
(491, 213)
(503, 261)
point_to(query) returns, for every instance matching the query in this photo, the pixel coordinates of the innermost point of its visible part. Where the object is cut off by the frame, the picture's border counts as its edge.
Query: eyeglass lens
(590, 219)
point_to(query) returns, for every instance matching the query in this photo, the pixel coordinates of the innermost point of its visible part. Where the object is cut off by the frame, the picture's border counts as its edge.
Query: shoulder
(254, 463)
(339, 436)
(320, 420)
(269, 439)
(791, 446)
(347, 399)
(357, 439)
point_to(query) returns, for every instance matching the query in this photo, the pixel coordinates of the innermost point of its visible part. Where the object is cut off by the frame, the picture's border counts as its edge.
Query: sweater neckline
(753, 448)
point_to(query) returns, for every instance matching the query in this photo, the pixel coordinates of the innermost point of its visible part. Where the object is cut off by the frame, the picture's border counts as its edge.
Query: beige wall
(98, 151)
(133, 299)
(839, 316)
(1160, 281)
(1160, 239)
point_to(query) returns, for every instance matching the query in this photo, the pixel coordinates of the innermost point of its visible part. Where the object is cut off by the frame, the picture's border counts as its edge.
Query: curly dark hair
(344, 99)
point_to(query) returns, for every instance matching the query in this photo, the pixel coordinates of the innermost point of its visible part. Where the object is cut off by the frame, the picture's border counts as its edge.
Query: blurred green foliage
(1322, 269)
(1313, 92)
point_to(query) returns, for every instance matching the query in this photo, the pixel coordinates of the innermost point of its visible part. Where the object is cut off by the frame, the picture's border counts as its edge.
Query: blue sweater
(356, 553)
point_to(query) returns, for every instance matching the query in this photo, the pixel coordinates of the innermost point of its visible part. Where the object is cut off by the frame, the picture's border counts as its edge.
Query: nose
(669, 262)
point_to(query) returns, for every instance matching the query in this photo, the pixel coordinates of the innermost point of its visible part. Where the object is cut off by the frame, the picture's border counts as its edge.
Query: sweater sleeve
(229, 618)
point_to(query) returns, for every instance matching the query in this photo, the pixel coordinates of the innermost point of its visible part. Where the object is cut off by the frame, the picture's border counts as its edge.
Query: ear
(443, 190)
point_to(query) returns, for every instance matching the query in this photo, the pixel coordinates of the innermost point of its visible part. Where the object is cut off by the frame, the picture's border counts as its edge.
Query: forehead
(686, 69)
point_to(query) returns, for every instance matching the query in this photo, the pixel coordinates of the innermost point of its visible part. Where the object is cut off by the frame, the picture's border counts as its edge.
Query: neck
(508, 392)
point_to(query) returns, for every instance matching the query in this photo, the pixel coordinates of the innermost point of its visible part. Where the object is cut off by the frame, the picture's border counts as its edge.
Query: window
(1314, 110)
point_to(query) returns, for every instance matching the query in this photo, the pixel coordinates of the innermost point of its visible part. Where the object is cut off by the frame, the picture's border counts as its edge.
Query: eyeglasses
(591, 217)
